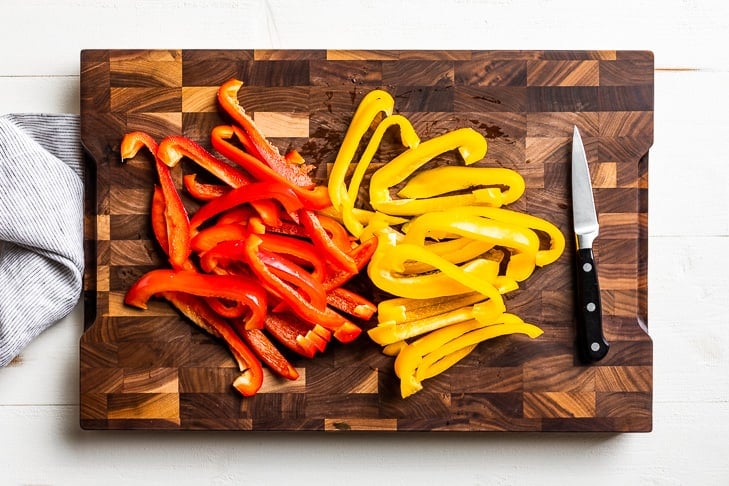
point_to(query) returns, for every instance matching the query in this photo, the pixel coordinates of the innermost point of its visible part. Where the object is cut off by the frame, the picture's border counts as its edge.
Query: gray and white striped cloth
(41, 225)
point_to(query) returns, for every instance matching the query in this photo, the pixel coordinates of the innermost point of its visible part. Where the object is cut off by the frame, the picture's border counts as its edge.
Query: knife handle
(591, 344)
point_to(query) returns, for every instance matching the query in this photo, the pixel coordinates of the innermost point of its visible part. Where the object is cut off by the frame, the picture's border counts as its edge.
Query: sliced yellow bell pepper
(402, 309)
(409, 139)
(471, 145)
(439, 344)
(387, 264)
(375, 102)
(451, 178)
(456, 250)
(543, 256)
(520, 240)
(438, 367)
(388, 333)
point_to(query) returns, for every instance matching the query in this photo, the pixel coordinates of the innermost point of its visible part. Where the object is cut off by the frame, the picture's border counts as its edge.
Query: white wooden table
(40, 439)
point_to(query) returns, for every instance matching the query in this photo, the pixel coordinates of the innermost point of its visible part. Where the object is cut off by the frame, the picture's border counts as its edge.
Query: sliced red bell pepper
(314, 197)
(157, 217)
(297, 303)
(246, 194)
(361, 255)
(296, 276)
(174, 147)
(286, 328)
(295, 247)
(295, 173)
(232, 287)
(278, 265)
(201, 191)
(267, 352)
(176, 218)
(324, 242)
(209, 237)
(251, 379)
(351, 303)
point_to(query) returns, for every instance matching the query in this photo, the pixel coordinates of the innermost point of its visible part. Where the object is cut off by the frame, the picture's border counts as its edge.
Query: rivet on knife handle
(591, 344)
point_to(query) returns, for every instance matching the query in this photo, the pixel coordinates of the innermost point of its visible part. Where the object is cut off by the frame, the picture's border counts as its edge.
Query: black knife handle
(591, 344)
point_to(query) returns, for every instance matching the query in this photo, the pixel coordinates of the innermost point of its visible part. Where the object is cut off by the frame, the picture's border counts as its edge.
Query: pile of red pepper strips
(257, 263)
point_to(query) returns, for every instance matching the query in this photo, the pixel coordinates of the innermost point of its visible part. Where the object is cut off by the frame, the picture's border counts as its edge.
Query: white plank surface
(41, 442)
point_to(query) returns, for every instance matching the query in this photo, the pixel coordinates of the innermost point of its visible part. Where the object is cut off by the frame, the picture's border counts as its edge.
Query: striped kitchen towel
(41, 225)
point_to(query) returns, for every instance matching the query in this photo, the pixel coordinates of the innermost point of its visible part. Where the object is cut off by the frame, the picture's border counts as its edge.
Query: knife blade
(591, 343)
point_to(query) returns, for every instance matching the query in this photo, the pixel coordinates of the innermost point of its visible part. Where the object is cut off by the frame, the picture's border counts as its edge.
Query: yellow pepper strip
(457, 250)
(471, 145)
(449, 178)
(394, 348)
(521, 241)
(543, 257)
(389, 333)
(386, 266)
(474, 337)
(413, 207)
(401, 309)
(444, 363)
(412, 355)
(374, 102)
(409, 139)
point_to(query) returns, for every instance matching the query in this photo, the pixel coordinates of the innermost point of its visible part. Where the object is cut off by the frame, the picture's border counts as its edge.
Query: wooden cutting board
(154, 370)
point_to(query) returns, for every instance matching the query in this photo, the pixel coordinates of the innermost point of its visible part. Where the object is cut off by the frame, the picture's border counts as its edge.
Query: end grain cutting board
(154, 370)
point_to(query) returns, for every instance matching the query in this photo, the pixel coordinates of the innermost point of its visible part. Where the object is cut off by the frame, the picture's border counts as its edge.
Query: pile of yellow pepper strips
(447, 249)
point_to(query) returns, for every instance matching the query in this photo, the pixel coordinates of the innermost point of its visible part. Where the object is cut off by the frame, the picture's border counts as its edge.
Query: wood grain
(154, 370)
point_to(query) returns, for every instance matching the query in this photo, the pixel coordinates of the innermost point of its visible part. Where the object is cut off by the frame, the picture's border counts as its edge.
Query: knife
(591, 344)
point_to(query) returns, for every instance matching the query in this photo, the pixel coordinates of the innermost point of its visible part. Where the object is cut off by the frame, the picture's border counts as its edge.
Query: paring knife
(591, 344)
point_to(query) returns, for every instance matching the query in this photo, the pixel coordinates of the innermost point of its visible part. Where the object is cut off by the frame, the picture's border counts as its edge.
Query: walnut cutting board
(154, 370)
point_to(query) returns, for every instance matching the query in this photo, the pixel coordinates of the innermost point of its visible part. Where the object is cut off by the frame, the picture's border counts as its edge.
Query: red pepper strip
(177, 221)
(361, 255)
(297, 303)
(267, 352)
(294, 157)
(246, 194)
(209, 237)
(316, 198)
(200, 313)
(173, 148)
(157, 215)
(284, 328)
(351, 303)
(292, 273)
(324, 242)
(297, 248)
(296, 173)
(232, 287)
(227, 309)
(239, 215)
(337, 233)
(200, 191)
